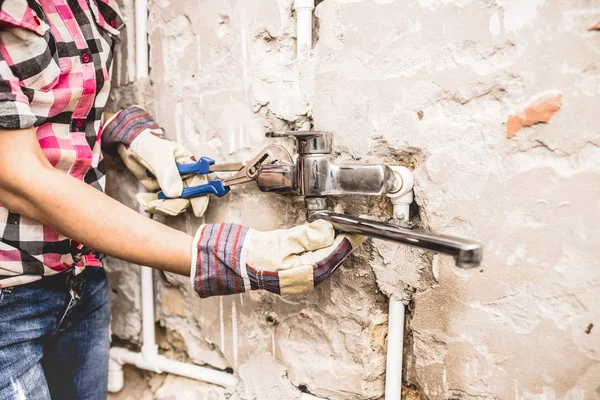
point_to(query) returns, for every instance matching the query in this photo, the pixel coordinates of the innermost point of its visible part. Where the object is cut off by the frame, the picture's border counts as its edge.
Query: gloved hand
(140, 142)
(231, 258)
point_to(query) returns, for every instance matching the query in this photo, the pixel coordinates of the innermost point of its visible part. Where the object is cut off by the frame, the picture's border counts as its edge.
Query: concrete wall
(494, 104)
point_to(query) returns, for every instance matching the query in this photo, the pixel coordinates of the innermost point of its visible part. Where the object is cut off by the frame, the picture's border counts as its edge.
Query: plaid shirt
(55, 62)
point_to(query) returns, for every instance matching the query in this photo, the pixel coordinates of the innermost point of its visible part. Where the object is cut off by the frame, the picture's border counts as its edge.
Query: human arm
(226, 259)
(32, 187)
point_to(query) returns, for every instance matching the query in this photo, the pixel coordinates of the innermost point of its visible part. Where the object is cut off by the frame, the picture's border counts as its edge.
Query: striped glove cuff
(219, 260)
(125, 126)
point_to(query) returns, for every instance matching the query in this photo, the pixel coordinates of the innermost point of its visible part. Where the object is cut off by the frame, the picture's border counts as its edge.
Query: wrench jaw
(272, 154)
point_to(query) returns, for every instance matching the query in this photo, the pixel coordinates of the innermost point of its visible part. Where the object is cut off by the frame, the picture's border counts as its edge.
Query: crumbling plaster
(430, 84)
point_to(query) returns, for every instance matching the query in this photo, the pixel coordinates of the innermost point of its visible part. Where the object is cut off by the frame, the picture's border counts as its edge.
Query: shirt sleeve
(15, 112)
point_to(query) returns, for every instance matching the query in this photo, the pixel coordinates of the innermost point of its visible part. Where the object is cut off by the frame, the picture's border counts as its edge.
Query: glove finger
(168, 176)
(148, 201)
(169, 179)
(171, 207)
(138, 168)
(158, 156)
(321, 256)
(307, 237)
(132, 162)
(338, 208)
(182, 155)
(150, 184)
(298, 260)
(339, 247)
(327, 260)
(199, 203)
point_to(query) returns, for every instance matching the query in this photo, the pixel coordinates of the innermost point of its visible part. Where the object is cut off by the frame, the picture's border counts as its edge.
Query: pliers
(246, 172)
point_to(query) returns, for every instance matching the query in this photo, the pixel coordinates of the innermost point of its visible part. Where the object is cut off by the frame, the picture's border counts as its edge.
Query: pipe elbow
(116, 379)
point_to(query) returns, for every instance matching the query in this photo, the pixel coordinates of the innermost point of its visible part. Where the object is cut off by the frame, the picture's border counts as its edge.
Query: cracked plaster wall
(429, 84)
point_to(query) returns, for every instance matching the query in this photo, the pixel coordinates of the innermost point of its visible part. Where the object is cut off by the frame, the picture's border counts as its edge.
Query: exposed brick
(539, 109)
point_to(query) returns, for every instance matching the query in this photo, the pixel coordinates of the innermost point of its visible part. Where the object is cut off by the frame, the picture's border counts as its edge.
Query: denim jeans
(54, 338)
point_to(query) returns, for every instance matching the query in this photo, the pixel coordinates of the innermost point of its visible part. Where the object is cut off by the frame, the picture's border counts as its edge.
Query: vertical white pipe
(149, 348)
(395, 338)
(141, 39)
(304, 10)
(395, 343)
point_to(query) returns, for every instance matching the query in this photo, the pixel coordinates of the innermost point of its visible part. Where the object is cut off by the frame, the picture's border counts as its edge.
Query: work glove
(231, 258)
(138, 139)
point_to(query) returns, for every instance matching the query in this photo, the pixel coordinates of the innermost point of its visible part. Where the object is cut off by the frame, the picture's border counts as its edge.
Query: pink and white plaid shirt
(55, 62)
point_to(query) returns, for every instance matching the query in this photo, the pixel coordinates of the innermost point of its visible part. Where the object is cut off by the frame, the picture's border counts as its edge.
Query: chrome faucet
(316, 176)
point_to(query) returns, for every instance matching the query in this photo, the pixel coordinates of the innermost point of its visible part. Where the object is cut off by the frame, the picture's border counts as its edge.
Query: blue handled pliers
(245, 172)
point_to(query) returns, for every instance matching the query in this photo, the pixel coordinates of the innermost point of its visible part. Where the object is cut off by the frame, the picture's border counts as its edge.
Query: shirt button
(79, 123)
(85, 58)
(114, 23)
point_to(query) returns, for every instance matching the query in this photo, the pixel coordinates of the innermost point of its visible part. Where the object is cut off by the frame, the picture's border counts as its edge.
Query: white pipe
(403, 196)
(148, 358)
(304, 14)
(149, 347)
(395, 343)
(160, 364)
(141, 38)
(116, 377)
(401, 200)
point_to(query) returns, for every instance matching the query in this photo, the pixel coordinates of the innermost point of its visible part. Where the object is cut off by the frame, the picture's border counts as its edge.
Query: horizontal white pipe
(160, 364)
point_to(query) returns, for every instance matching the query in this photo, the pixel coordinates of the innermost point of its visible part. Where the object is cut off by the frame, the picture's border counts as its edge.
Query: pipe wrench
(246, 171)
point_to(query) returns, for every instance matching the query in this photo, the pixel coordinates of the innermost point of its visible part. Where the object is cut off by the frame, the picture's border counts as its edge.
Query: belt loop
(74, 283)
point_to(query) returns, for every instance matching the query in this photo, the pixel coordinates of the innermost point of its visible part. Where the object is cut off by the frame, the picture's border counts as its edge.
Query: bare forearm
(90, 217)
